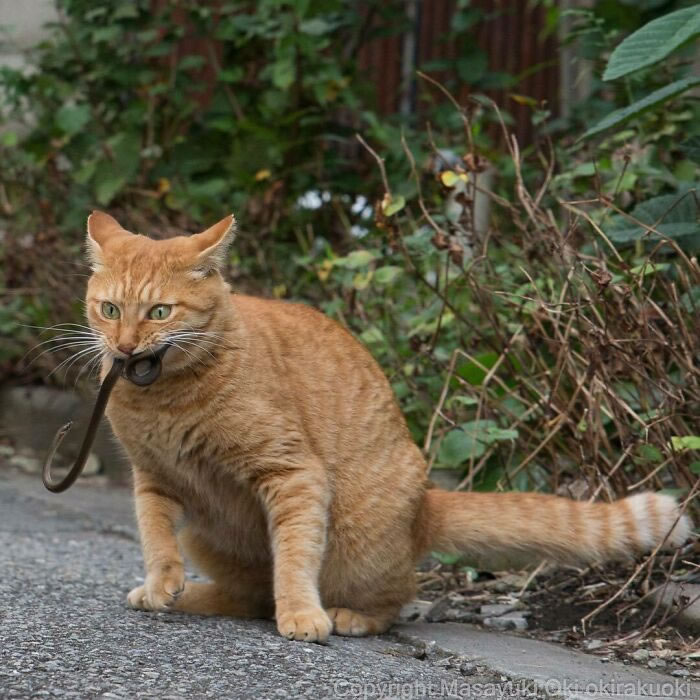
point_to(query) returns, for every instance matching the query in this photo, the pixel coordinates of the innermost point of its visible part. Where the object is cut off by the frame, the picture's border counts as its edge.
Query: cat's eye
(110, 311)
(160, 312)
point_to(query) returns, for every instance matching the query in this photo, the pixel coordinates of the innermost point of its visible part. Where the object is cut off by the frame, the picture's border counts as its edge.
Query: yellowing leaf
(392, 205)
(279, 290)
(450, 178)
(324, 270)
(680, 443)
(523, 99)
(361, 280)
(262, 175)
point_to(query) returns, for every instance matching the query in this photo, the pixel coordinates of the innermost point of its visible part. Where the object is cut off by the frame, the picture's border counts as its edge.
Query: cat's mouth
(154, 350)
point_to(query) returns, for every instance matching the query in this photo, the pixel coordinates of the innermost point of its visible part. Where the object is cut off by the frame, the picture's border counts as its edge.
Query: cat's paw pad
(349, 623)
(306, 625)
(160, 591)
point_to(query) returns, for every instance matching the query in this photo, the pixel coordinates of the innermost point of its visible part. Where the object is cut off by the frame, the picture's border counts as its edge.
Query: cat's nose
(126, 349)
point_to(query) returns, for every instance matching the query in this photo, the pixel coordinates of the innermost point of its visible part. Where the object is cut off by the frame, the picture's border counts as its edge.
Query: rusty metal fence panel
(514, 42)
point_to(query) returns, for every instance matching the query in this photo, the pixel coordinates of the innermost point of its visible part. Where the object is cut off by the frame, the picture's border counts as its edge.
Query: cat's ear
(100, 228)
(212, 245)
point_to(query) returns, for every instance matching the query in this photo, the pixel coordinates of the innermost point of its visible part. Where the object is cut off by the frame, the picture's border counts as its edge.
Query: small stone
(594, 644)
(641, 655)
(509, 621)
(467, 668)
(431, 648)
(680, 672)
(496, 609)
(656, 663)
(415, 610)
(6, 451)
(510, 582)
(438, 610)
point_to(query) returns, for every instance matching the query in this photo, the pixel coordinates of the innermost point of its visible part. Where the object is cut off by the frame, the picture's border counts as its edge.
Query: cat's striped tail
(510, 527)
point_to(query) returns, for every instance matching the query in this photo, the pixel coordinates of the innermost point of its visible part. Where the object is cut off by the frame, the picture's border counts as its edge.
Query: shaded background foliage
(551, 344)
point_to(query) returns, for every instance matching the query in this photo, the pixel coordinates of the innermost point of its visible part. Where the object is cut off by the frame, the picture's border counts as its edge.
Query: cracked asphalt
(66, 564)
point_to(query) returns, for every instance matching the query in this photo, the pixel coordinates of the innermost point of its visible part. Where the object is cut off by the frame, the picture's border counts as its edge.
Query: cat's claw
(159, 592)
(307, 625)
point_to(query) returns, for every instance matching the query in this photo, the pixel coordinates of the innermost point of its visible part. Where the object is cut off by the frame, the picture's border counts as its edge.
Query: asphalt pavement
(67, 562)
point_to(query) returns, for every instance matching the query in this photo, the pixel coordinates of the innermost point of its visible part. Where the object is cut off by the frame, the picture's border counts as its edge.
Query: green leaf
(695, 467)
(387, 274)
(125, 10)
(361, 280)
(676, 493)
(283, 73)
(208, 188)
(72, 118)
(475, 373)
(356, 259)
(497, 434)
(472, 67)
(231, 75)
(108, 184)
(458, 447)
(464, 400)
(316, 26)
(467, 441)
(649, 268)
(691, 148)
(447, 559)
(191, 62)
(372, 336)
(680, 443)
(393, 205)
(653, 41)
(619, 116)
(107, 34)
(672, 215)
(9, 138)
(650, 453)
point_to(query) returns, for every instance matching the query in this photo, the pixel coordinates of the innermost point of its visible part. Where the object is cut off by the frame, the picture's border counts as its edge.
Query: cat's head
(143, 292)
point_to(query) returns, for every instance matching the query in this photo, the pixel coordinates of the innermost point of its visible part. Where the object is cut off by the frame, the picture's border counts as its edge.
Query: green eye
(160, 312)
(109, 310)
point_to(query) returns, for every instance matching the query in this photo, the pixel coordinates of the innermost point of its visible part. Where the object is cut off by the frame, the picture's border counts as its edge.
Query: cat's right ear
(100, 228)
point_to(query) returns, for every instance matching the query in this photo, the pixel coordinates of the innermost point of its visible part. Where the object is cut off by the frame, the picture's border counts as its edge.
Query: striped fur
(273, 453)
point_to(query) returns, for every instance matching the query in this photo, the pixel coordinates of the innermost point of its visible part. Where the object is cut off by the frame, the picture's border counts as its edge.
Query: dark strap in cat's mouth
(142, 369)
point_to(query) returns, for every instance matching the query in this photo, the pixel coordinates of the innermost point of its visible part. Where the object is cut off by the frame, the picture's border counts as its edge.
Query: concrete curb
(556, 670)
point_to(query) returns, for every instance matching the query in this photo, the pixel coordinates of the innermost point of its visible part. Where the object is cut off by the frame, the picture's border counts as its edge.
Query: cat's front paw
(161, 589)
(305, 625)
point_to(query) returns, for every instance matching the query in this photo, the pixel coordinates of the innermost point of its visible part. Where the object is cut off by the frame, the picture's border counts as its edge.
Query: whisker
(199, 330)
(190, 336)
(60, 326)
(58, 339)
(72, 359)
(65, 346)
(189, 354)
(196, 345)
(90, 366)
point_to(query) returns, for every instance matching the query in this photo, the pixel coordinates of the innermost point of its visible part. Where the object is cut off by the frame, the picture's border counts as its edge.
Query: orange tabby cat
(273, 453)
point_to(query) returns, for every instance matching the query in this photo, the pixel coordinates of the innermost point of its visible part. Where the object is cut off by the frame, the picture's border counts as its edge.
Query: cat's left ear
(212, 246)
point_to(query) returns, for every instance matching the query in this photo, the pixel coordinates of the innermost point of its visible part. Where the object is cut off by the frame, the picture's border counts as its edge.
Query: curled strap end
(63, 431)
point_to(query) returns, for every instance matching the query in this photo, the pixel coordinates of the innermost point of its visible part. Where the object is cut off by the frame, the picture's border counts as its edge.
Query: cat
(273, 453)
